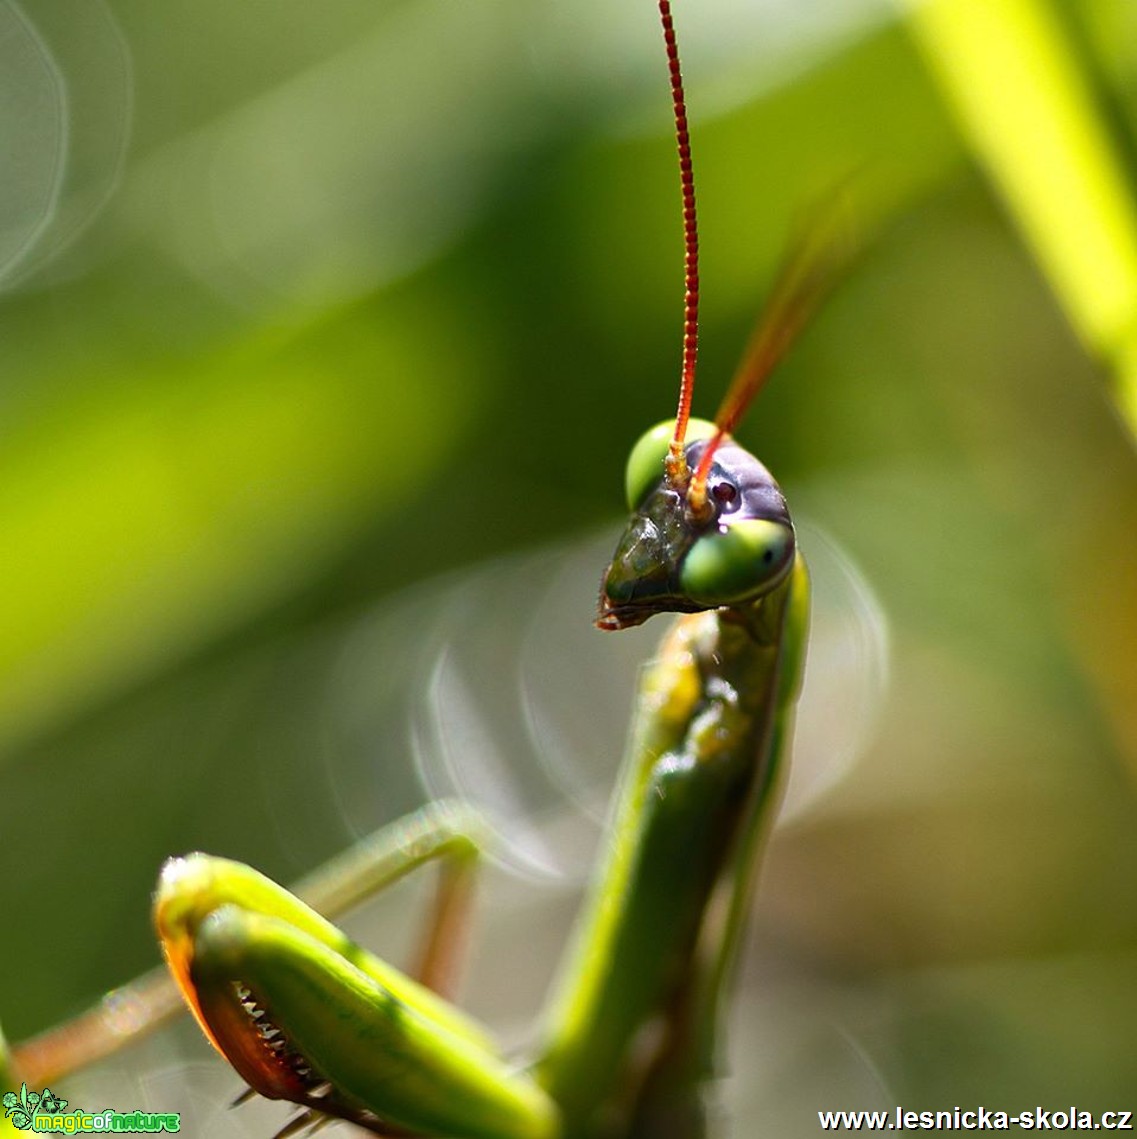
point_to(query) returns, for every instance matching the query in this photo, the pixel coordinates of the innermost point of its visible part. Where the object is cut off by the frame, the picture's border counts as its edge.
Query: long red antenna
(677, 473)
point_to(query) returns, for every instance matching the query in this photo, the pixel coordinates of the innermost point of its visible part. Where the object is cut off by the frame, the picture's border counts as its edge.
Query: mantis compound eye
(737, 561)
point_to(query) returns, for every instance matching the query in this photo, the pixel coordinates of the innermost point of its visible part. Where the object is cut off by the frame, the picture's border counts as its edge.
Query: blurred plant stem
(1011, 78)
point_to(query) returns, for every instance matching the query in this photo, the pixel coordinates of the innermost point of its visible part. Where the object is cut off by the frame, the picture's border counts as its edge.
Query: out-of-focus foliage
(1027, 109)
(306, 304)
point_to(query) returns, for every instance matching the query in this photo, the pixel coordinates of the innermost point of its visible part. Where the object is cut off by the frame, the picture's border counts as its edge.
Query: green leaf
(1017, 87)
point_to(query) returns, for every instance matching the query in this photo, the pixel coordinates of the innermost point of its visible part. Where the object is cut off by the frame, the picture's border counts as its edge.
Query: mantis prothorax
(628, 1038)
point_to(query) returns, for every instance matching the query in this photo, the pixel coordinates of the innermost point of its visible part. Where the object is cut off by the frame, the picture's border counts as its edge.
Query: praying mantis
(629, 1036)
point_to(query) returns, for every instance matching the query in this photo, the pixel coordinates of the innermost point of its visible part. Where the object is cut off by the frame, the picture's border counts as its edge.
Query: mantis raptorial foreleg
(223, 924)
(248, 953)
(447, 832)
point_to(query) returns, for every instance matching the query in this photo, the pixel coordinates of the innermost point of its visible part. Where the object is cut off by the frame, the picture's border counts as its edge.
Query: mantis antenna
(804, 280)
(677, 472)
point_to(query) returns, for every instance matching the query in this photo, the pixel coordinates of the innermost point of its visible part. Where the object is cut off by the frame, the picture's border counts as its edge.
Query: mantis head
(677, 557)
(709, 526)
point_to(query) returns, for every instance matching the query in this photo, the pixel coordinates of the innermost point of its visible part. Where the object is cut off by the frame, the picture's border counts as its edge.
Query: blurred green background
(307, 304)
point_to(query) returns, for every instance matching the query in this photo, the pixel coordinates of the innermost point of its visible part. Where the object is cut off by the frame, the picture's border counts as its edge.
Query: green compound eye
(645, 464)
(737, 562)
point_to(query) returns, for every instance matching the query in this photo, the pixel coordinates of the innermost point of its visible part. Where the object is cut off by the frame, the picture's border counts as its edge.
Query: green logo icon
(22, 1109)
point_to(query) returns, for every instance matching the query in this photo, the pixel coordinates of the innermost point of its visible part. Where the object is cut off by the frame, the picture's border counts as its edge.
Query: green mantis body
(628, 1038)
(629, 1035)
